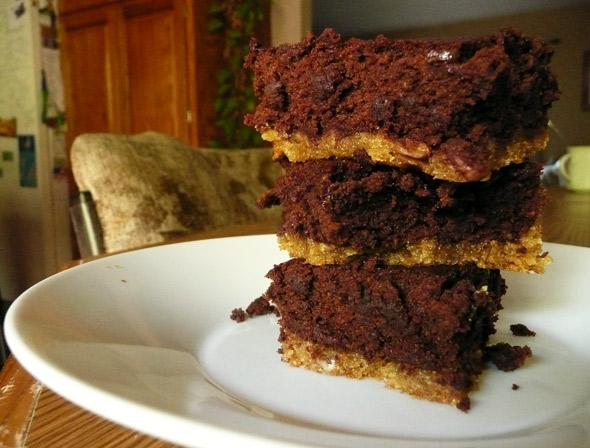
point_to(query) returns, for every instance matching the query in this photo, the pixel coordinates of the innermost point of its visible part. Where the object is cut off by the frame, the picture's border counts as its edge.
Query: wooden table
(32, 415)
(566, 219)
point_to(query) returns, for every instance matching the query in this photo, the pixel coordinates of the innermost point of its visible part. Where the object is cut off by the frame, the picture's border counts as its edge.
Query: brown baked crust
(419, 383)
(337, 208)
(456, 109)
(436, 319)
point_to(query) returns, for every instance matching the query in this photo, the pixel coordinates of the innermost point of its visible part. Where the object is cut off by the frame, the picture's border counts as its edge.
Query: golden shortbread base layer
(522, 256)
(298, 148)
(419, 383)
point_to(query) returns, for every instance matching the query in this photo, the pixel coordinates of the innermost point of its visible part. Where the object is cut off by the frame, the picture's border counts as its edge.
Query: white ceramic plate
(145, 339)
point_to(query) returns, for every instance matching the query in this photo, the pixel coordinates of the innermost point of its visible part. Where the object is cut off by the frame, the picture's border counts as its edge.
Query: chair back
(151, 187)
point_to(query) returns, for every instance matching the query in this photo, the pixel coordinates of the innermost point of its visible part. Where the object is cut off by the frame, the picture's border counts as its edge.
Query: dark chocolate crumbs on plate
(507, 357)
(521, 330)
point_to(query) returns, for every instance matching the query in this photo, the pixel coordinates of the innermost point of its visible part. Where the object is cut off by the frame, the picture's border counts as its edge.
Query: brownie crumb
(521, 330)
(515, 387)
(507, 357)
(464, 405)
(260, 307)
(239, 315)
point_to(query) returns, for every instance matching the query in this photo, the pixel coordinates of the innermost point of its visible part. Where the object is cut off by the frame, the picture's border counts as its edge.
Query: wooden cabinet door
(89, 54)
(153, 34)
(125, 68)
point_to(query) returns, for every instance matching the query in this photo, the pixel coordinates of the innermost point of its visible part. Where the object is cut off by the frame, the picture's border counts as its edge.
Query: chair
(150, 187)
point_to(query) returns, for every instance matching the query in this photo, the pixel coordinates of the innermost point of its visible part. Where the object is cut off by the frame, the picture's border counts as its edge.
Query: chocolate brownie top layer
(456, 97)
(436, 318)
(369, 207)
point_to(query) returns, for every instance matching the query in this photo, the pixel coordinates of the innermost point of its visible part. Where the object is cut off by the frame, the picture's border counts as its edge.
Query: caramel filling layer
(524, 255)
(298, 148)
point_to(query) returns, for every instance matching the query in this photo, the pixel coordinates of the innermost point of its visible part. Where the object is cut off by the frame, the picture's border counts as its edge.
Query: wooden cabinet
(136, 65)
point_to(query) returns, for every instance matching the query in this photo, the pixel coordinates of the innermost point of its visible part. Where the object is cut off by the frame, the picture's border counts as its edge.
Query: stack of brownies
(406, 189)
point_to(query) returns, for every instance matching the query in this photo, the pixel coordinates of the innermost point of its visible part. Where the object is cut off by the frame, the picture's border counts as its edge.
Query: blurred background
(127, 66)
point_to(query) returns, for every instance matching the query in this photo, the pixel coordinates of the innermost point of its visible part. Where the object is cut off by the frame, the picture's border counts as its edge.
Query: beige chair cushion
(149, 187)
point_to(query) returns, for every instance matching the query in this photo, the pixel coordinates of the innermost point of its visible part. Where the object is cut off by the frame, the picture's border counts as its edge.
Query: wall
(370, 17)
(290, 20)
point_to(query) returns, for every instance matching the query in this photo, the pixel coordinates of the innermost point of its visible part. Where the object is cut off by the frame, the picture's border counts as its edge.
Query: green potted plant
(237, 21)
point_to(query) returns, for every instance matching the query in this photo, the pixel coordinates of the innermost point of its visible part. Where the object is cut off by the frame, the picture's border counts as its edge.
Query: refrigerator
(34, 221)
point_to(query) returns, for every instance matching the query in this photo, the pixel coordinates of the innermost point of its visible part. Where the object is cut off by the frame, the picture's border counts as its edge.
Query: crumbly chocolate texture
(368, 207)
(507, 357)
(521, 330)
(459, 101)
(258, 307)
(433, 318)
(239, 315)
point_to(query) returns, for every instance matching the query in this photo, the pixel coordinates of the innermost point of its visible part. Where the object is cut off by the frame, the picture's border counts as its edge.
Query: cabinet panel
(156, 68)
(90, 82)
(88, 51)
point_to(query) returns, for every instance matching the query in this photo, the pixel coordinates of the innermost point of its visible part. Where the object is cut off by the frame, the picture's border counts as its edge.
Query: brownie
(367, 206)
(434, 318)
(459, 101)
(407, 186)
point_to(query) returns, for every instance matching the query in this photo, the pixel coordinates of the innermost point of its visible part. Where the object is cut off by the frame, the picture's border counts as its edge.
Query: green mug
(574, 167)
